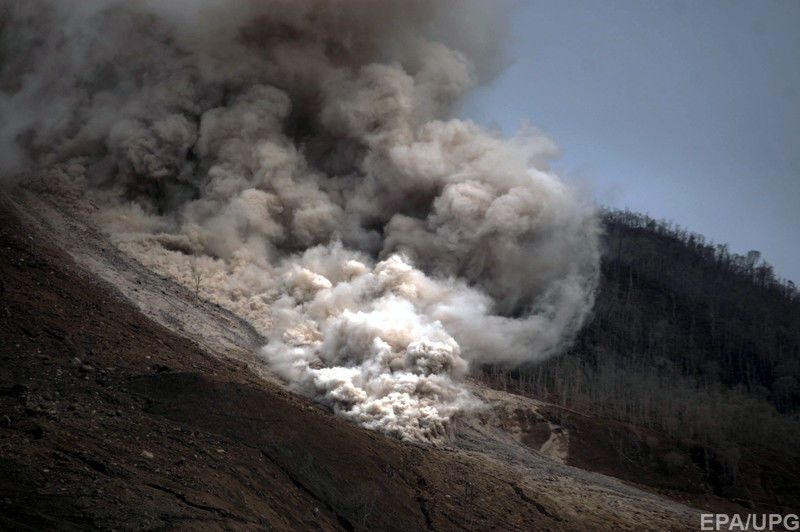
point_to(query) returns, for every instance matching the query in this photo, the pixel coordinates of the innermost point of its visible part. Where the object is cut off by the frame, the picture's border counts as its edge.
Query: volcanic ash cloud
(298, 158)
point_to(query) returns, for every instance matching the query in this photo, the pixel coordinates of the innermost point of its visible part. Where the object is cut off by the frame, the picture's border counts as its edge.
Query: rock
(33, 429)
(86, 368)
(76, 362)
(148, 455)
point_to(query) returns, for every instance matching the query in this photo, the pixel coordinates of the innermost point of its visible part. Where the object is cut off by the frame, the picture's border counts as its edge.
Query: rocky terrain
(127, 403)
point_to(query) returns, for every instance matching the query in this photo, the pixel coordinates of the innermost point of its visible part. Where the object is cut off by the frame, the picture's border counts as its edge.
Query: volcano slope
(134, 406)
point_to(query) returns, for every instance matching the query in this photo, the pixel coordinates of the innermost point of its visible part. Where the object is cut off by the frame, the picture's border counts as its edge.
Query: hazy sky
(688, 111)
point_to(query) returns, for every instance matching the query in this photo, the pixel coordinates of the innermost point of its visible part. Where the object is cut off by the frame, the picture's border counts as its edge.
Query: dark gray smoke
(296, 158)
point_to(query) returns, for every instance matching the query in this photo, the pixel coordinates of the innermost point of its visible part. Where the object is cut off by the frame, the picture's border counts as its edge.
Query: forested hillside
(687, 339)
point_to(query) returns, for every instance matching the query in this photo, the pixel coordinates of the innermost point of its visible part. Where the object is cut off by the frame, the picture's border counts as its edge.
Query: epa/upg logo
(749, 522)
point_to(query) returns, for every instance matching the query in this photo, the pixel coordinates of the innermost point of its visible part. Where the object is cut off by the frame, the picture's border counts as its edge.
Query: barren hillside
(112, 419)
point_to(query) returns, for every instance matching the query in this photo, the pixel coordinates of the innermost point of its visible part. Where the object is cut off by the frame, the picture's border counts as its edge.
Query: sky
(684, 110)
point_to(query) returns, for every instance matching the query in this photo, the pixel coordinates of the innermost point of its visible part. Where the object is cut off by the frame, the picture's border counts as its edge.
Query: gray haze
(298, 161)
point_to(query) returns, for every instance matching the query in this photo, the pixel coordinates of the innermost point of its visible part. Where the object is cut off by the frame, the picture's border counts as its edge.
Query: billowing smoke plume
(295, 160)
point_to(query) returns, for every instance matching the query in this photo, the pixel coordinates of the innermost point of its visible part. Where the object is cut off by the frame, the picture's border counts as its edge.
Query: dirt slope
(110, 420)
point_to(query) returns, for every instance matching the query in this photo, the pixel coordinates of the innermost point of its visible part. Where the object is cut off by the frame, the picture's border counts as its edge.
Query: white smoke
(299, 156)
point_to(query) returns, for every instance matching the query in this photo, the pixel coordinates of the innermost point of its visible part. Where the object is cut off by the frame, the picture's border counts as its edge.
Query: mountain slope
(687, 374)
(111, 420)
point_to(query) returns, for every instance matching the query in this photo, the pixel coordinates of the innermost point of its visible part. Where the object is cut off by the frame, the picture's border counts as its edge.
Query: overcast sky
(688, 111)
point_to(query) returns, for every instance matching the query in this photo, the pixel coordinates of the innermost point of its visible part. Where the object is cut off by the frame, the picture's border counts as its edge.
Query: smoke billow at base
(296, 163)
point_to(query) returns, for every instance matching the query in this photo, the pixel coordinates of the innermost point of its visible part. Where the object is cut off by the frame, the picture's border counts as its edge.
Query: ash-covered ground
(129, 403)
